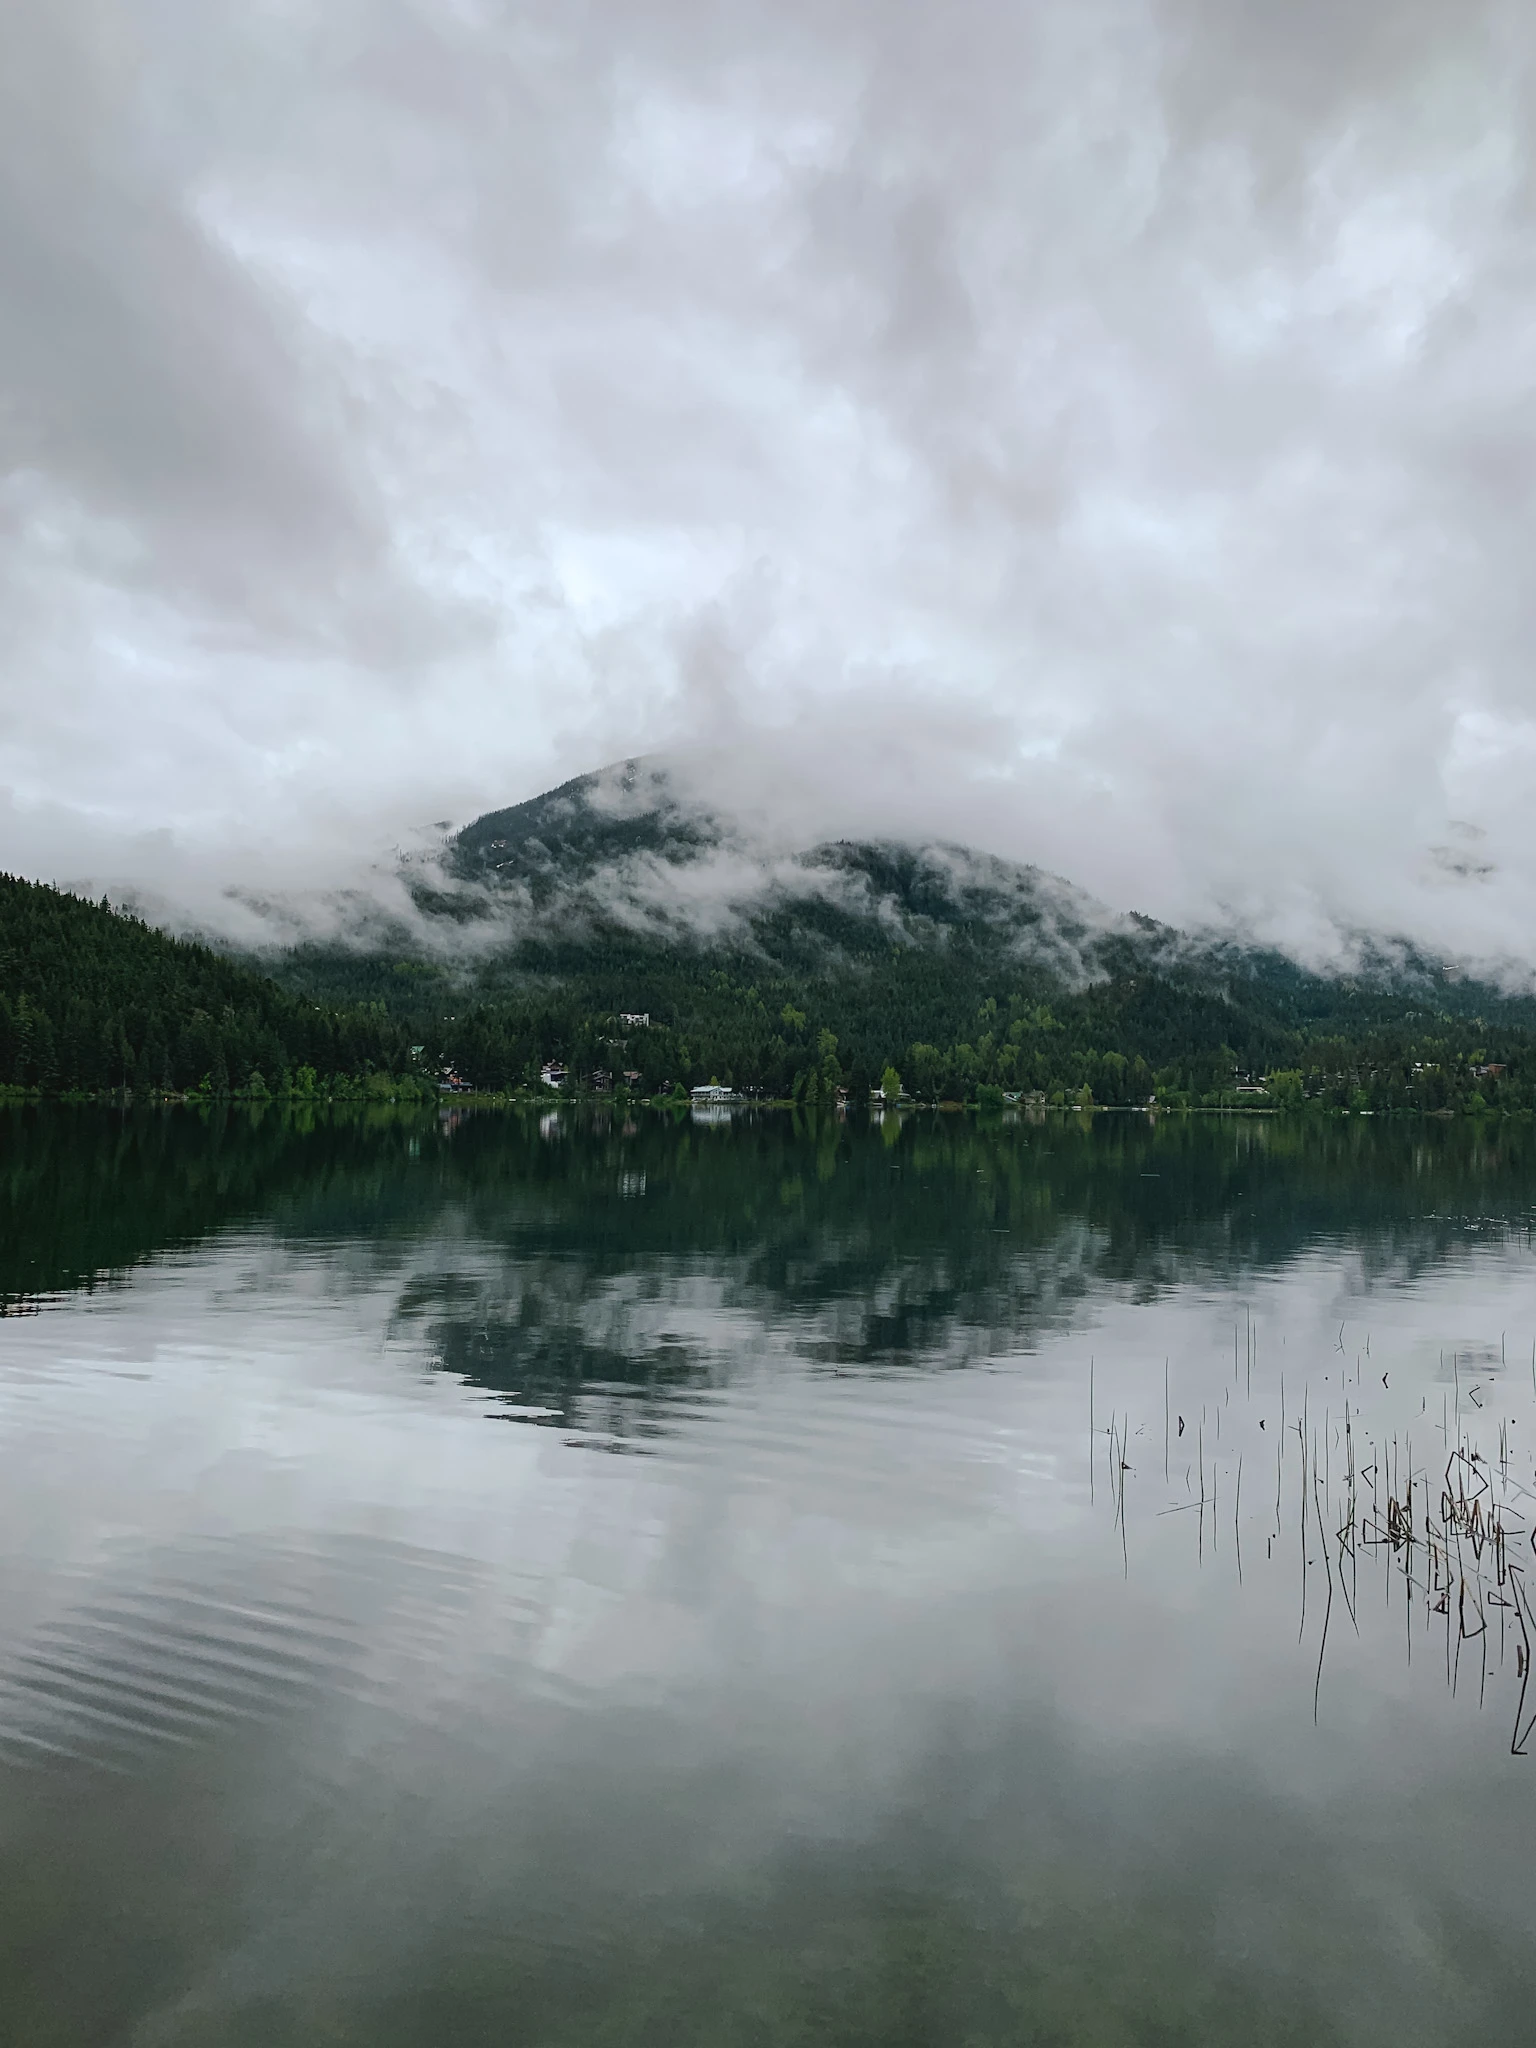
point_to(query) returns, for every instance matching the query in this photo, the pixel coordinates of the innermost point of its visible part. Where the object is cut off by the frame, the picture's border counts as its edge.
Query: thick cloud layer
(1098, 431)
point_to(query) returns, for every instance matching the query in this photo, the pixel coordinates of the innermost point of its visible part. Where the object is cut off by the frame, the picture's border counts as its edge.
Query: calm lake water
(484, 1579)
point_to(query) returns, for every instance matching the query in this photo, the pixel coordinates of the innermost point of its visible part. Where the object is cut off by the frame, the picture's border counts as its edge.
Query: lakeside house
(639, 1019)
(552, 1074)
(711, 1092)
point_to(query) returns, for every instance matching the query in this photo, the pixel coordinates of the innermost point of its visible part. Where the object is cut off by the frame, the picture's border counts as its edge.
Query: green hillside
(951, 1023)
(92, 999)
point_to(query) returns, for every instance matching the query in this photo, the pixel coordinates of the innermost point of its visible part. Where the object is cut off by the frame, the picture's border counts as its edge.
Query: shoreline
(128, 1099)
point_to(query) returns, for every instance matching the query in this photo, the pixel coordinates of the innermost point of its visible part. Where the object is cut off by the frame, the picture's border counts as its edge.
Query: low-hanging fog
(1095, 431)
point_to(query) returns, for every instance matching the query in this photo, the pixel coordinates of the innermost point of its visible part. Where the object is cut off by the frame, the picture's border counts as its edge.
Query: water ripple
(178, 1649)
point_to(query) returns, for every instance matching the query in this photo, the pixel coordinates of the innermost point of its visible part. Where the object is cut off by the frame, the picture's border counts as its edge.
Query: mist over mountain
(640, 854)
(632, 892)
(636, 849)
(631, 929)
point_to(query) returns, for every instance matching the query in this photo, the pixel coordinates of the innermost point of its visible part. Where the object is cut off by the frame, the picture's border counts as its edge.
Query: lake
(482, 1578)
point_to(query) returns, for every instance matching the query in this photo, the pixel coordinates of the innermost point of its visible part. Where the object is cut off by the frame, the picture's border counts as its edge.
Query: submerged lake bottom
(583, 1579)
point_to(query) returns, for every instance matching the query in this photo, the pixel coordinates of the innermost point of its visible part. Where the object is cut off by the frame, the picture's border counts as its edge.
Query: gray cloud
(150, 384)
(1100, 433)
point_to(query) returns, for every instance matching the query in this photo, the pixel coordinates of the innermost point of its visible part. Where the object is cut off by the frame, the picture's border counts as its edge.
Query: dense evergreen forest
(93, 1000)
(964, 1021)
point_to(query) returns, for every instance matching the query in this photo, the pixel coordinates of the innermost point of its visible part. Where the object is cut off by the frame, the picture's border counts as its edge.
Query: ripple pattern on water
(169, 1650)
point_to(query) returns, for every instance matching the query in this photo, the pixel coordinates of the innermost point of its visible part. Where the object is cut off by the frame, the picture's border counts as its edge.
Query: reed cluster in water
(1449, 1525)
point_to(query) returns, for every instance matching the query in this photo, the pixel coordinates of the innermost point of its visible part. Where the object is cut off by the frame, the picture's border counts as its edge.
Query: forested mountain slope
(624, 928)
(621, 895)
(94, 999)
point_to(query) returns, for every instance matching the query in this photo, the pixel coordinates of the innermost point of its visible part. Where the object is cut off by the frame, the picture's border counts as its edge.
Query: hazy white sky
(1100, 430)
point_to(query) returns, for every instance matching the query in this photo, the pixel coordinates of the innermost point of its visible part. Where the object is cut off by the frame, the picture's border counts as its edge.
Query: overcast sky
(1100, 430)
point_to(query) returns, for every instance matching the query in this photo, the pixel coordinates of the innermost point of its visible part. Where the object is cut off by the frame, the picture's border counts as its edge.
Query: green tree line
(94, 1000)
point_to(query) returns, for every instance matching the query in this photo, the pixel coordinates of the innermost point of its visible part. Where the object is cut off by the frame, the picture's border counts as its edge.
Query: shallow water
(562, 1581)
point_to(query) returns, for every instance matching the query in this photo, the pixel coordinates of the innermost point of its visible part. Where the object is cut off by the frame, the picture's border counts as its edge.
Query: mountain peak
(568, 835)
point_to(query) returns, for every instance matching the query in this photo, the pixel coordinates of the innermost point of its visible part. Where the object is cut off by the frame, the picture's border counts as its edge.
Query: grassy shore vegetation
(94, 1001)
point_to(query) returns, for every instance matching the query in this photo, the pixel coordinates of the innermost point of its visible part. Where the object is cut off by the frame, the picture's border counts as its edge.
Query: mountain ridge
(540, 932)
(623, 845)
(625, 892)
(598, 844)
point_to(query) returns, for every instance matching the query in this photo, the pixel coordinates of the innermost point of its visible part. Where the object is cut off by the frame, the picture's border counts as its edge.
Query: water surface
(563, 1580)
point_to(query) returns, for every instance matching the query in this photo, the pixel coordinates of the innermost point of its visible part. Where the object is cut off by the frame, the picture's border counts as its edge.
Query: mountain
(594, 826)
(625, 924)
(628, 854)
(629, 892)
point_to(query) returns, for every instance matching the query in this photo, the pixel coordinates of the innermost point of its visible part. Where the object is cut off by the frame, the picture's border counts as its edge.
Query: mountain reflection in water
(1057, 1582)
